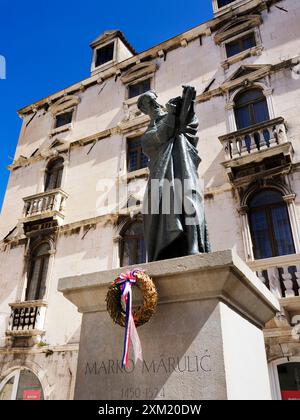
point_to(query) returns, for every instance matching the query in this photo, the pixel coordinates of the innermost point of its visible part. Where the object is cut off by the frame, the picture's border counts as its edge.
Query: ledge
(219, 275)
(285, 149)
(62, 129)
(291, 304)
(46, 193)
(282, 261)
(257, 50)
(24, 333)
(29, 304)
(51, 215)
(140, 173)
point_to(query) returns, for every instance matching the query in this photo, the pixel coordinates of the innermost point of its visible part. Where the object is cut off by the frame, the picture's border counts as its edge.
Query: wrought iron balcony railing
(27, 317)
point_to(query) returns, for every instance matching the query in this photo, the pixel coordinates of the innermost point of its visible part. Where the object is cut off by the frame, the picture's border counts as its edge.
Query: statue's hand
(173, 105)
(171, 108)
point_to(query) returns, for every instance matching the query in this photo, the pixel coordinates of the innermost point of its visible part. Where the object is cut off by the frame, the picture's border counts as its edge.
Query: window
(54, 174)
(270, 225)
(104, 54)
(63, 119)
(251, 108)
(38, 268)
(133, 245)
(22, 385)
(139, 88)
(222, 3)
(136, 159)
(289, 379)
(240, 44)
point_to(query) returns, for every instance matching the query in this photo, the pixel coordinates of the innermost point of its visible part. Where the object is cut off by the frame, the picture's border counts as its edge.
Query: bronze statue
(174, 221)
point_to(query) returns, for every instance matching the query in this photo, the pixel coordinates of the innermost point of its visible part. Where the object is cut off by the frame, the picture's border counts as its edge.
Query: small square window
(63, 119)
(139, 88)
(104, 54)
(135, 157)
(241, 44)
(222, 3)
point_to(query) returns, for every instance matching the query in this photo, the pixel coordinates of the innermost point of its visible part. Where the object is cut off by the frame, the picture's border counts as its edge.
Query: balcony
(27, 318)
(280, 274)
(47, 206)
(259, 144)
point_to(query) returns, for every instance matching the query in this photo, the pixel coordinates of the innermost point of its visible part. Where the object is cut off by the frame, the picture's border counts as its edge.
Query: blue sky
(46, 47)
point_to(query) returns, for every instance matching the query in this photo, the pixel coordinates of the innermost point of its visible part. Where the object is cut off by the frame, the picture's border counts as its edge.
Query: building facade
(74, 198)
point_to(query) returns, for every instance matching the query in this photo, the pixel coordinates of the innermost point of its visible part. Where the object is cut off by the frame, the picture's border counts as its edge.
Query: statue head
(148, 104)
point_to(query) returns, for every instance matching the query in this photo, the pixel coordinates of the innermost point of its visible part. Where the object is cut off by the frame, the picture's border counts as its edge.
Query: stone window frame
(68, 103)
(143, 170)
(67, 127)
(51, 155)
(30, 246)
(289, 198)
(274, 376)
(69, 112)
(253, 51)
(136, 74)
(126, 177)
(42, 276)
(132, 101)
(50, 162)
(136, 82)
(103, 66)
(135, 216)
(234, 4)
(230, 104)
(15, 370)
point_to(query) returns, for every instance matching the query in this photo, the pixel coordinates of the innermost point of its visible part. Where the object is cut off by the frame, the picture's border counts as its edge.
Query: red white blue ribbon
(125, 281)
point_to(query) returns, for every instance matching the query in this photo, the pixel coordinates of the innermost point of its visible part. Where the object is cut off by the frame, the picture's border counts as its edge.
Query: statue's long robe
(173, 157)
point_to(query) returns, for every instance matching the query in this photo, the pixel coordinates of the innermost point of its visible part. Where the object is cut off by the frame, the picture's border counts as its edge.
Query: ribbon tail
(131, 334)
(135, 341)
(127, 303)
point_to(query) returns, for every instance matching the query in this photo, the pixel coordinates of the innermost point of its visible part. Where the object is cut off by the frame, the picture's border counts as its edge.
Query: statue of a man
(174, 222)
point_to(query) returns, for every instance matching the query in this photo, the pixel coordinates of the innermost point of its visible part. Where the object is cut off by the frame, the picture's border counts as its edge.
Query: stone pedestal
(204, 342)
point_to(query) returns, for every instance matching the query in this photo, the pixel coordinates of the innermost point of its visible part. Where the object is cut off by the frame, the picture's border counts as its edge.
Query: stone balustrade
(280, 274)
(45, 203)
(254, 139)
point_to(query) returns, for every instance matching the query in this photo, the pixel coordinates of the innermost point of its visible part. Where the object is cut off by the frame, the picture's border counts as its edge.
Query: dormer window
(110, 48)
(241, 44)
(63, 119)
(104, 54)
(222, 3)
(139, 88)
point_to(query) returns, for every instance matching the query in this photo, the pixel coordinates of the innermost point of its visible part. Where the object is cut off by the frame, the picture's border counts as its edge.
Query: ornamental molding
(138, 71)
(236, 26)
(245, 76)
(67, 102)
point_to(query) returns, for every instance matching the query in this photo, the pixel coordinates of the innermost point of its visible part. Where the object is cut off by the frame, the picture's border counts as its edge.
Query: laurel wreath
(142, 314)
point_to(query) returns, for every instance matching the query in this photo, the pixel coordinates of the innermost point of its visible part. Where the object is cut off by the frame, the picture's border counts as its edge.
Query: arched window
(132, 249)
(54, 173)
(38, 267)
(270, 225)
(21, 385)
(289, 380)
(250, 108)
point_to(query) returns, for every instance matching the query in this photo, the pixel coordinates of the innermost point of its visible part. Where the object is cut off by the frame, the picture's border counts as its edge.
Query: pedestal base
(204, 342)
